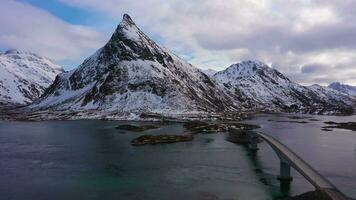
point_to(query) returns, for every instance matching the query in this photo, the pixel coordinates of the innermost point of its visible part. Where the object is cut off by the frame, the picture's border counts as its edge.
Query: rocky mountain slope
(24, 76)
(258, 86)
(131, 73)
(346, 89)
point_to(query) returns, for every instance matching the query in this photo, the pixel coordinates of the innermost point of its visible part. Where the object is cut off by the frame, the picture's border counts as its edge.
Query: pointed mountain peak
(127, 18)
(129, 43)
(127, 22)
(127, 29)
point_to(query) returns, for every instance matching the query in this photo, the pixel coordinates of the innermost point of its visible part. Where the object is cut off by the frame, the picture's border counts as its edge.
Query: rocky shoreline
(24, 114)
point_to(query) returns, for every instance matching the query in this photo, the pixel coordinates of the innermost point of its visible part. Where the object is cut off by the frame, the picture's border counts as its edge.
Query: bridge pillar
(284, 172)
(254, 141)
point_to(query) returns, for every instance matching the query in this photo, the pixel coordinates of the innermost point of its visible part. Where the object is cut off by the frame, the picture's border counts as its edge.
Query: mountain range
(131, 75)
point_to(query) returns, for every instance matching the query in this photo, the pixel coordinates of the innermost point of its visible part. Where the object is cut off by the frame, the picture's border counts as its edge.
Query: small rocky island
(239, 133)
(342, 125)
(191, 127)
(135, 128)
(196, 127)
(203, 127)
(160, 139)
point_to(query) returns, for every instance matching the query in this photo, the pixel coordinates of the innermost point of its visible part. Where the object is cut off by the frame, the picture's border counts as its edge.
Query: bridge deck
(316, 179)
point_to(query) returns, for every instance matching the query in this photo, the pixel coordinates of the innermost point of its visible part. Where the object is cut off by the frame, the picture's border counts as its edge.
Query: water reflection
(93, 160)
(265, 178)
(285, 187)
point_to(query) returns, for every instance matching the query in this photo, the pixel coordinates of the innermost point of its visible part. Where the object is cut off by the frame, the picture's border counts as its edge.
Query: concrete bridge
(290, 159)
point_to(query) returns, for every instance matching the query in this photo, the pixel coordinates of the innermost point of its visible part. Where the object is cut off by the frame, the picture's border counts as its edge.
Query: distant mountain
(24, 76)
(257, 86)
(132, 74)
(209, 72)
(347, 89)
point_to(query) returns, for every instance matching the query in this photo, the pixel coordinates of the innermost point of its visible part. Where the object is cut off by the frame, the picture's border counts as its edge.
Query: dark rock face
(131, 73)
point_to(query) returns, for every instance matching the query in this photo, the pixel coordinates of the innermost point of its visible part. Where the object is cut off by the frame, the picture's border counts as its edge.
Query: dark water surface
(93, 160)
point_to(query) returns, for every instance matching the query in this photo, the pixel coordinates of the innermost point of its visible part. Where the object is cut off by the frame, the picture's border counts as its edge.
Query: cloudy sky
(311, 41)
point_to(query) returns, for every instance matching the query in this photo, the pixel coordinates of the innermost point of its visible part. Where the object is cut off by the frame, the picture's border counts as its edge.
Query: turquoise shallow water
(93, 160)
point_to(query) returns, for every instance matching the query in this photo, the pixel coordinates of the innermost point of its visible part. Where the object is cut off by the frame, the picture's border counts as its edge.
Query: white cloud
(311, 17)
(29, 28)
(290, 34)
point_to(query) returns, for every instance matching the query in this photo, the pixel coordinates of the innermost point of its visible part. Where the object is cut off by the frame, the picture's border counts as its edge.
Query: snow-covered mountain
(209, 72)
(131, 73)
(24, 76)
(347, 89)
(257, 86)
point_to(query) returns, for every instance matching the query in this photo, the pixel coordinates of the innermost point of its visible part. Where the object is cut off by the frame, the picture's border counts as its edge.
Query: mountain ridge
(256, 85)
(344, 88)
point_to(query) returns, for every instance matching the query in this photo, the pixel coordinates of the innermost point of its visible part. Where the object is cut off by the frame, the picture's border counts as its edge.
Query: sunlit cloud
(29, 28)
